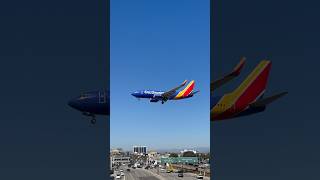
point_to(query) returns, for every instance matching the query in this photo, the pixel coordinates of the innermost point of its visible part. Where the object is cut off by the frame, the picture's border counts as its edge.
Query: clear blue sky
(156, 45)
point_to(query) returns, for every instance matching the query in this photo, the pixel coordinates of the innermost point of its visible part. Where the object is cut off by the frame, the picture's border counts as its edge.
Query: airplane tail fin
(253, 87)
(187, 90)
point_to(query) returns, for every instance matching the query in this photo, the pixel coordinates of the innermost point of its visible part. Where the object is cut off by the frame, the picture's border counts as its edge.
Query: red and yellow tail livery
(186, 91)
(247, 98)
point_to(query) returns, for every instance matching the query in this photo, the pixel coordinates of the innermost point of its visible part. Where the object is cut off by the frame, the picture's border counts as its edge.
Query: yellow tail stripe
(180, 94)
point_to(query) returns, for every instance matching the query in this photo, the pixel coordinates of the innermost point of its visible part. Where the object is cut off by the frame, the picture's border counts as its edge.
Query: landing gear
(93, 120)
(162, 102)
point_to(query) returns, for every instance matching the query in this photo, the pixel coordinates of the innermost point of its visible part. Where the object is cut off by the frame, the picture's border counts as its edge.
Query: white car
(199, 177)
(118, 177)
(121, 174)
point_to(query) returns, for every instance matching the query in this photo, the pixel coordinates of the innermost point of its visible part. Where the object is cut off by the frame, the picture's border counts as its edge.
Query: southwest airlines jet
(247, 98)
(164, 96)
(92, 103)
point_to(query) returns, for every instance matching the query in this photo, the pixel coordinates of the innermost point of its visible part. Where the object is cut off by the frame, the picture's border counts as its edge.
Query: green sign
(177, 160)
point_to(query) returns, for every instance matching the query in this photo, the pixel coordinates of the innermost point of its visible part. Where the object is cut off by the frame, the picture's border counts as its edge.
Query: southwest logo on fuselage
(247, 98)
(164, 96)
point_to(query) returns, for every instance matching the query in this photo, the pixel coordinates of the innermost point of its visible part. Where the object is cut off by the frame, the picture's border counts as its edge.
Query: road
(140, 174)
(143, 174)
(174, 176)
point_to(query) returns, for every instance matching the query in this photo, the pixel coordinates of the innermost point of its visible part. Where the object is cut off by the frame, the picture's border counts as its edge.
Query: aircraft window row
(84, 95)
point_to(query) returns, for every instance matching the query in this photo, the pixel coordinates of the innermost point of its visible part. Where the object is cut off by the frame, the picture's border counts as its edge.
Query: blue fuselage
(95, 103)
(150, 94)
(155, 95)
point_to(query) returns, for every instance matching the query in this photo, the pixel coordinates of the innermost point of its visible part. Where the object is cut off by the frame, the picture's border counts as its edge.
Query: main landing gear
(93, 120)
(93, 117)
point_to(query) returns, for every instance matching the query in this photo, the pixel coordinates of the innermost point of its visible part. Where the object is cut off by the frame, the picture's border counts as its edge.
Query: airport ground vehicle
(180, 174)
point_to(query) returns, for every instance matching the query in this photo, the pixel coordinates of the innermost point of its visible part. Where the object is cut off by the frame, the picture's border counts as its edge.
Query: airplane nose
(134, 94)
(72, 103)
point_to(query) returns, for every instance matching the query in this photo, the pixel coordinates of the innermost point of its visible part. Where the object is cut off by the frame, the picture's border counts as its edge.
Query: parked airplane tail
(253, 87)
(186, 91)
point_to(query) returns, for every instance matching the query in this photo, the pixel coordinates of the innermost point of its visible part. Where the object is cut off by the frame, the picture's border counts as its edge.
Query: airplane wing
(268, 100)
(235, 72)
(169, 93)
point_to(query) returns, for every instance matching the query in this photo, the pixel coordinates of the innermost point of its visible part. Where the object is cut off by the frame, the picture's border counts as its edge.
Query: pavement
(174, 176)
(139, 174)
(151, 174)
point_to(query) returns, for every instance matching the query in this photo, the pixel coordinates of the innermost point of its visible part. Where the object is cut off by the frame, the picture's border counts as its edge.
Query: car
(118, 177)
(128, 169)
(121, 170)
(180, 174)
(199, 177)
(121, 174)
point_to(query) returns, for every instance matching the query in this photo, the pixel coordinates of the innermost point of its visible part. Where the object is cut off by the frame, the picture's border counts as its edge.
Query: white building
(140, 149)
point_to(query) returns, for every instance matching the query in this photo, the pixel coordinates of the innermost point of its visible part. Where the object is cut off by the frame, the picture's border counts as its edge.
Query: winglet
(184, 83)
(236, 70)
(234, 73)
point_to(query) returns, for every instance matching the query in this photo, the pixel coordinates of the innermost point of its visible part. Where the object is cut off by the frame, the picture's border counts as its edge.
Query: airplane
(247, 98)
(92, 103)
(164, 96)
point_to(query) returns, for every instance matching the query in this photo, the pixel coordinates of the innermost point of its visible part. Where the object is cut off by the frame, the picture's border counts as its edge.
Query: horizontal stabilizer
(268, 100)
(193, 93)
(234, 73)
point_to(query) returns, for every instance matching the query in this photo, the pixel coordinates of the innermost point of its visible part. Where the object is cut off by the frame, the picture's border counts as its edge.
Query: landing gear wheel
(162, 102)
(93, 121)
